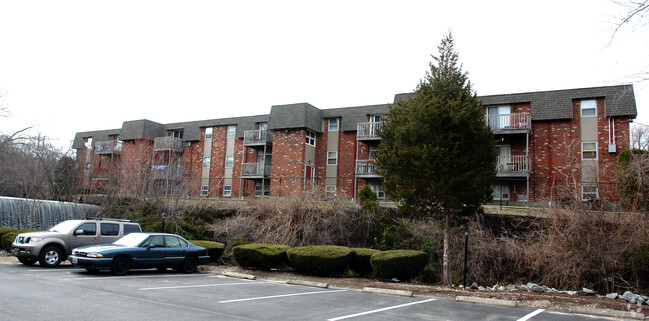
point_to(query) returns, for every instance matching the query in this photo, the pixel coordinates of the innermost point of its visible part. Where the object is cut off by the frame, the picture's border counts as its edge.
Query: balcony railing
(257, 137)
(108, 147)
(509, 122)
(165, 172)
(368, 131)
(255, 170)
(517, 165)
(366, 168)
(168, 143)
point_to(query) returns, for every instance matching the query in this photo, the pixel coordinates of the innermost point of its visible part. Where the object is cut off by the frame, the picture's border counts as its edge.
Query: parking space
(70, 293)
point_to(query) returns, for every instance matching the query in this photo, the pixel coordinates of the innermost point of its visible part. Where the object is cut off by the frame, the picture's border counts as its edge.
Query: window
(589, 192)
(588, 108)
(500, 192)
(331, 191)
(229, 160)
(310, 138)
(589, 150)
(206, 162)
(332, 158)
(177, 133)
(258, 190)
(208, 132)
(231, 131)
(263, 126)
(131, 228)
(172, 241)
(333, 124)
(378, 189)
(109, 229)
(499, 117)
(157, 240)
(227, 190)
(86, 229)
(204, 190)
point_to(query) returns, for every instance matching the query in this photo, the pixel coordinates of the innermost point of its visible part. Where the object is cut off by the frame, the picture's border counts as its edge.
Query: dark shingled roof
(97, 136)
(351, 116)
(302, 115)
(557, 104)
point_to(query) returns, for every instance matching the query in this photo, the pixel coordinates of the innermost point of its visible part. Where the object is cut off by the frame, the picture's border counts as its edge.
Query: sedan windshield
(65, 227)
(133, 239)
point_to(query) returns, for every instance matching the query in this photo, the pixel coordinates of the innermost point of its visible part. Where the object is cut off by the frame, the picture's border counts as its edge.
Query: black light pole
(163, 222)
(466, 253)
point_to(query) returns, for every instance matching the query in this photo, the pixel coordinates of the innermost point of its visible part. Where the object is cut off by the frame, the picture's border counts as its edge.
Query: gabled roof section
(141, 129)
(302, 115)
(97, 136)
(351, 116)
(557, 104)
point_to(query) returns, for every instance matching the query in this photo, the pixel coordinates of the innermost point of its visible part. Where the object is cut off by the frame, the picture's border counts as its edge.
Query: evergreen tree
(437, 154)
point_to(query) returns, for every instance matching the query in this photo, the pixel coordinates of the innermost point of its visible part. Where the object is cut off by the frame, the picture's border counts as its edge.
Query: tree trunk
(446, 266)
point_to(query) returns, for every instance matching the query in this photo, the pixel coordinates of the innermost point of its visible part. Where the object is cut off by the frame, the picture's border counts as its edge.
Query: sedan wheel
(190, 265)
(120, 265)
(50, 256)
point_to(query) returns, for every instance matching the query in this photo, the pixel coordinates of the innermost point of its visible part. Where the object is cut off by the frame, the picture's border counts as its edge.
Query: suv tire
(120, 265)
(50, 256)
(26, 261)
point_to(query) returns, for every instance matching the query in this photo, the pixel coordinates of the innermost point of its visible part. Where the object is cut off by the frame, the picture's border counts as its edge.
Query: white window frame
(334, 124)
(332, 158)
(310, 138)
(205, 190)
(229, 161)
(330, 191)
(588, 105)
(589, 151)
(506, 195)
(584, 193)
(227, 190)
(206, 162)
(177, 133)
(232, 130)
(208, 132)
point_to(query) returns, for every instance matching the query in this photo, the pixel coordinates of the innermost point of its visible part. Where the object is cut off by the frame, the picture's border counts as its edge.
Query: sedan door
(150, 254)
(175, 251)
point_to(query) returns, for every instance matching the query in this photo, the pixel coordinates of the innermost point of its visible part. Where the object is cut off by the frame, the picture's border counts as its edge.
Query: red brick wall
(346, 165)
(288, 162)
(136, 166)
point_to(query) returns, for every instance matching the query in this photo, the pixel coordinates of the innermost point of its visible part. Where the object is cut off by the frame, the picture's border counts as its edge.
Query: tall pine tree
(437, 154)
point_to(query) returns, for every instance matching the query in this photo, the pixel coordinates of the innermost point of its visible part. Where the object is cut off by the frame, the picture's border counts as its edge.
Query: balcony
(168, 143)
(366, 169)
(257, 137)
(368, 131)
(255, 170)
(165, 172)
(108, 147)
(513, 166)
(517, 123)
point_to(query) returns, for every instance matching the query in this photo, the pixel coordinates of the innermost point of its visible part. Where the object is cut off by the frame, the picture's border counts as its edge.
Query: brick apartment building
(551, 145)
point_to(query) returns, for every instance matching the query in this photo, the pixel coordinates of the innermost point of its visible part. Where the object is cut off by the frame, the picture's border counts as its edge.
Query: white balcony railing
(255, 169)
(504, 122)
(512, 165)
(366, 167)
(369, 130)
(108, 147)
(257, 137)
(168, 143)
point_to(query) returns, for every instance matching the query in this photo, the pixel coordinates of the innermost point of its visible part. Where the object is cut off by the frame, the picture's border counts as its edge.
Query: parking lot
(35, 293)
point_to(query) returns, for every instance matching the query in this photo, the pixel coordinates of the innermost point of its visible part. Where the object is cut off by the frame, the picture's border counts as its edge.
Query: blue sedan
(141, 251)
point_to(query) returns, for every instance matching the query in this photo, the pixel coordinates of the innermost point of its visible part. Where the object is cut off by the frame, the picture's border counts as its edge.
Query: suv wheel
(120, 265)
(190, 265)
(50, 256)
(26, 261)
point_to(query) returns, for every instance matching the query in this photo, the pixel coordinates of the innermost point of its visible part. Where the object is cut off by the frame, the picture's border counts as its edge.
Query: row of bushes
(8, 235)
(326, 260)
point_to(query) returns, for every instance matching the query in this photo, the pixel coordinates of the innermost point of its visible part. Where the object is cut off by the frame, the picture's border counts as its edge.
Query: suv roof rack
(107, 219)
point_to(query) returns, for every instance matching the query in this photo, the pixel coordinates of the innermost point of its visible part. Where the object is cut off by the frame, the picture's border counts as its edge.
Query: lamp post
(466, 253)
(163, 222)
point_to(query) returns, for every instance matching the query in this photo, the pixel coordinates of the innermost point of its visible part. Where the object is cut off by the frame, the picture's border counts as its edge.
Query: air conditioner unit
(187, 144)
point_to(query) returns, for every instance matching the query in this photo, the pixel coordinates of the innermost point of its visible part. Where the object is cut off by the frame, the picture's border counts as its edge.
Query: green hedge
(320, 259)
(215, 249)
(361, 261)
(9, 237)
(401, 264)
(260, 256)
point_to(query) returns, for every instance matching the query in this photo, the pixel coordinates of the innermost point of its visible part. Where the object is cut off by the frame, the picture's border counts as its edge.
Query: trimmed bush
(320, 259)
(401, 264)
(9, 238)
(5, 230)
(361, 260)
(215, 249)
(260, 256)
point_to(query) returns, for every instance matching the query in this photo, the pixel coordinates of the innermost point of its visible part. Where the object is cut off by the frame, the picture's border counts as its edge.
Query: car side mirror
(150, 246)
(78, 232)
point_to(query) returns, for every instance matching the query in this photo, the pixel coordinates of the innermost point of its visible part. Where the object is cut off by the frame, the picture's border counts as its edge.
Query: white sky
(69, 66)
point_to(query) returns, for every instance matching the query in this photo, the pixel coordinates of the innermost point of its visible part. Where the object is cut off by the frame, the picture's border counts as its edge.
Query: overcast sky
(70, 66)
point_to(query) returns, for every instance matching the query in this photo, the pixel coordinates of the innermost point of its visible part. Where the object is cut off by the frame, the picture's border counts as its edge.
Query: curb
(387, 291)
(607, 313)
(486, 301)
(308, 283)
(240, 275)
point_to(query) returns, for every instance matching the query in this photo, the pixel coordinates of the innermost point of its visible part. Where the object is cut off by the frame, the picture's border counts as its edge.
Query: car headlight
(35, 240)
(95, 255)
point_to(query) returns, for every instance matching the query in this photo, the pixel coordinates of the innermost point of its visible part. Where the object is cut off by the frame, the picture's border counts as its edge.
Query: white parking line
(531, 315)
(198, 286)
(57, 270)
(110, 277)
(379, 310)
(280, 296)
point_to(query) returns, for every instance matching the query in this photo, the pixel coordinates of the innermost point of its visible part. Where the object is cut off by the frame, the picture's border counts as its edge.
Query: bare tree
(640, 136)
(636, 11)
